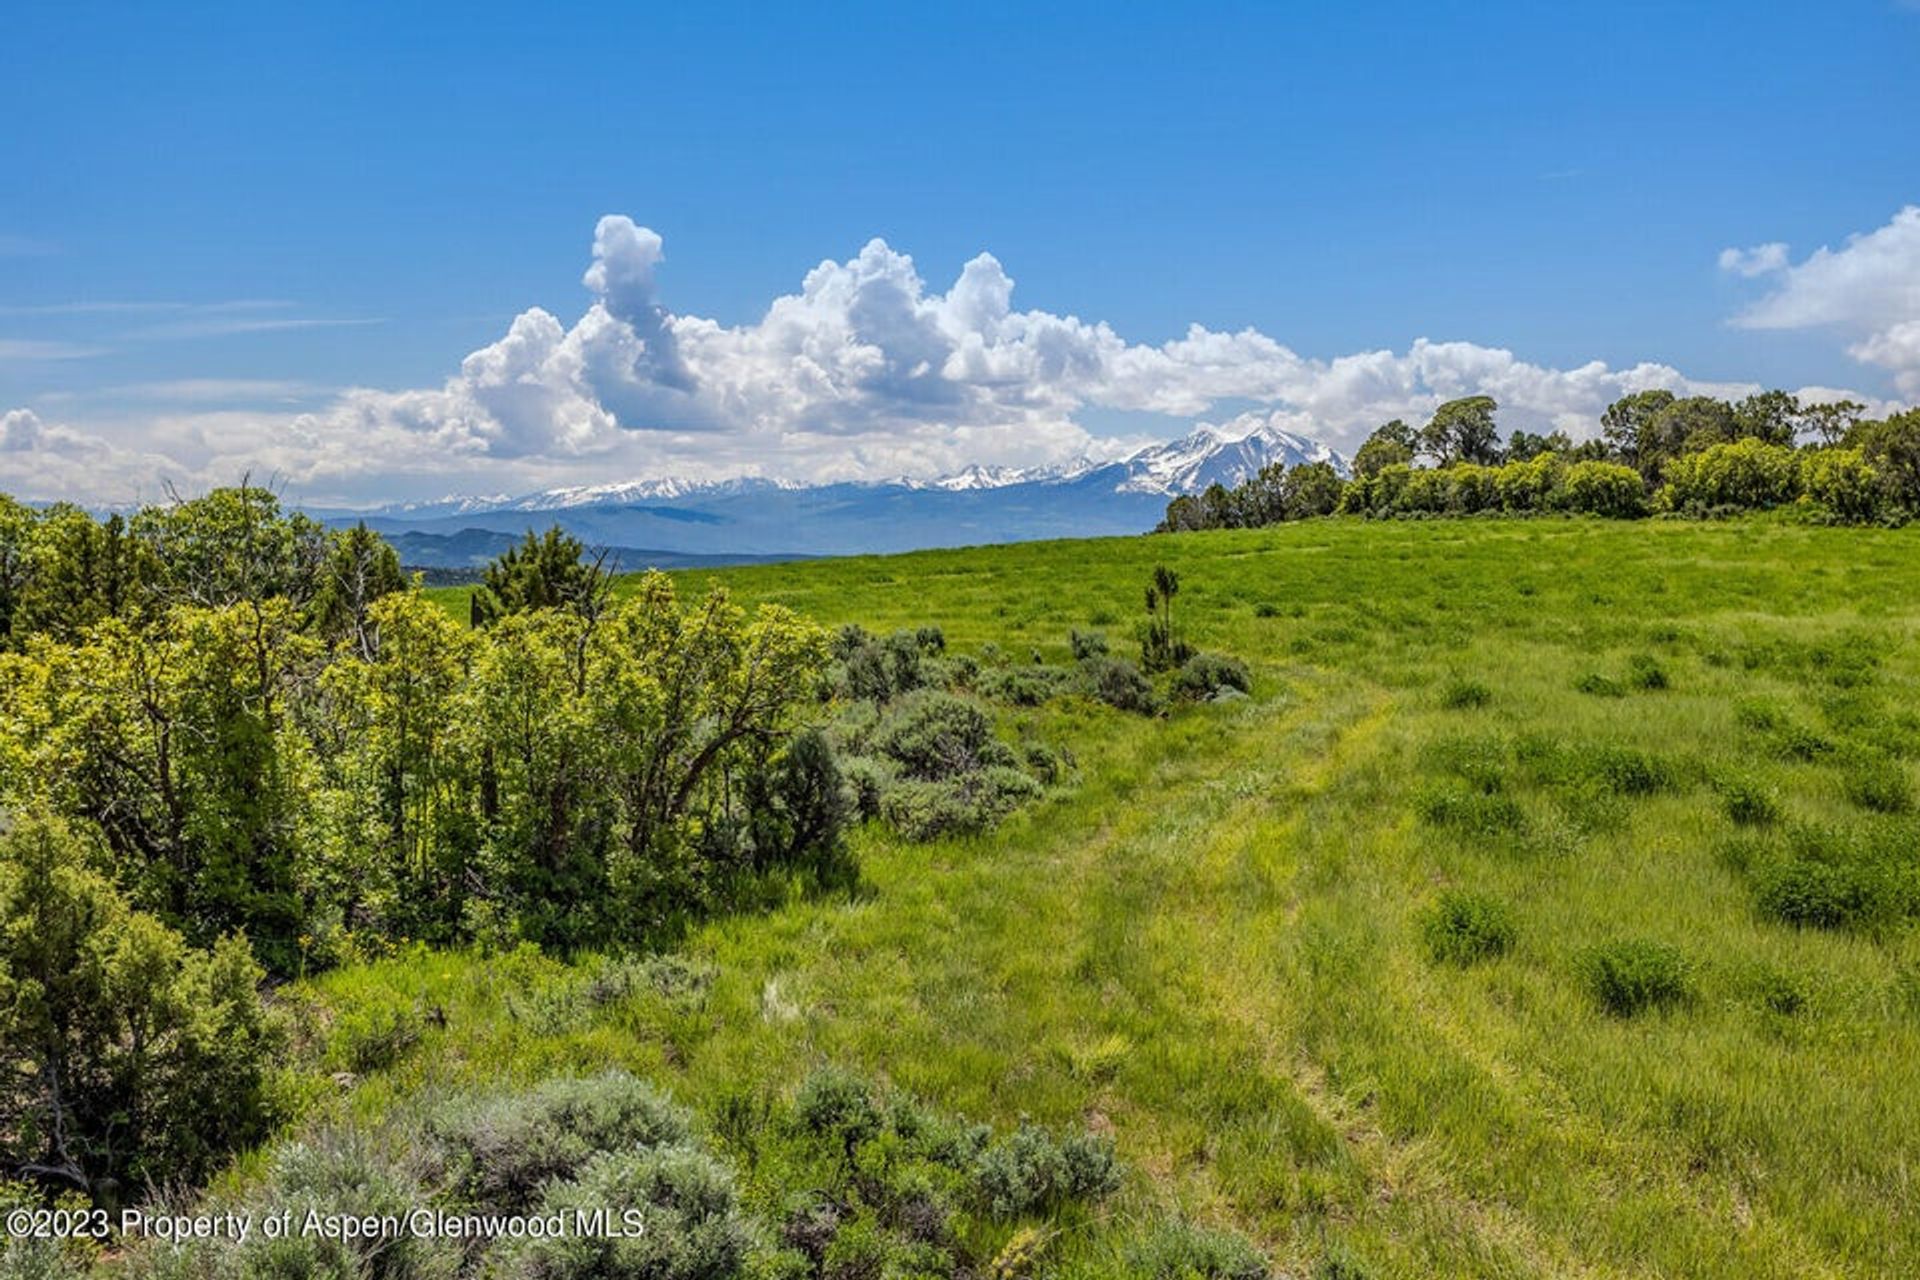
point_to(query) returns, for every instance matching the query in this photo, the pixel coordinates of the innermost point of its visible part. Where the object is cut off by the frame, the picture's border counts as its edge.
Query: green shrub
(1021, 686)
(1034, 1170)
(1602, 489)
(1644, 672)
(125, 1055)
(1749, 803)
(1470, 811)
(959, 806)
(1812, 894)
(1463, 927)
(1178, 1250)
(1600, 686)
(374, 1031)
(839, 1106)
(1633, 975)
(1627, 772)
(497, 1151)
(691, 1226)
(1845, 483)
(1206, 674)
(1462, 694)
(1120, 685)
(1087, 644)
(934, 736)
(1879, 785)
(1744, 475)
(866, 781)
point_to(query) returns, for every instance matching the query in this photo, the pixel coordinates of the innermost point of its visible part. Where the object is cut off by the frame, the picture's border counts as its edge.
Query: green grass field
(1216, 942)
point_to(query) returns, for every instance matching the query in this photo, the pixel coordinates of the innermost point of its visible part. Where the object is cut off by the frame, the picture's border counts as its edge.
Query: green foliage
(1879, 784)
(686, 1224)
(1747, 475)
(1803, 891)
(497, 1151)
(1463, 694)
(1206, 675)
(1463, 927)
(1843, 482)
(1162, 647)
(1178, 1250)
(545, 571)
(1634, 975)
(127, 1054)
(1034, 1170)
(1121, 685)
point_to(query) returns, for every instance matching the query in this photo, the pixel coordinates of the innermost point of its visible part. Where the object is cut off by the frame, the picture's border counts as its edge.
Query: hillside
(1212, 943)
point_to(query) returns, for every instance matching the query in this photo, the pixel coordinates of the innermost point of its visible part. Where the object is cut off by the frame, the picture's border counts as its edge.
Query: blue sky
(216, 218)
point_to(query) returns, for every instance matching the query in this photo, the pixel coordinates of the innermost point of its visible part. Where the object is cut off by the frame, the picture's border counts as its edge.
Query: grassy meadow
(1546, 911)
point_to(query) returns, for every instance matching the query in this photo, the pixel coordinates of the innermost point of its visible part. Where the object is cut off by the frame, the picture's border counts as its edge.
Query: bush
(1631, 976)
(1120, 685)
(1603, 489)
(1745, 475)
(335, 1172)
(959, 806)
(375, 1030)
(1845, 483)
(497, 1152)
(834, 1104)
(1878, 784)
(866, 782)
(1184, 1251)
(1034, 1170)
(1471, 811)
(1087, 644)
(935, 736)
(1206, 674)
(1811, 894)
(1463, 927)
(125, 1055)
(1749, 803)
(1600, 686)
(691, 1226)
(1645, 672)
(1630, 773)
(1461, 694)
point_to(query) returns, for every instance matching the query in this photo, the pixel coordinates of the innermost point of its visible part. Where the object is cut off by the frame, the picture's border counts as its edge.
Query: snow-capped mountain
(675, 521)
(1218, 454)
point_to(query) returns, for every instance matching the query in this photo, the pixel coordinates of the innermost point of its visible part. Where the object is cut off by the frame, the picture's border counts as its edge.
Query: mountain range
(677, 523)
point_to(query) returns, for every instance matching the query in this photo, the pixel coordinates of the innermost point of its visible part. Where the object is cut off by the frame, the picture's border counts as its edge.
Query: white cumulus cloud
(865, 372)
(1867, 289)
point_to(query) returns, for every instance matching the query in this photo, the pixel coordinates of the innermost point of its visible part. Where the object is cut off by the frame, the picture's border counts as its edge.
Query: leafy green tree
(1627, 428)
(16, 566)
(1462, 430)
(398, 745)
(230, 546)
(546, 571)
(128, 1056)
(1844, 482)
(82, 572)
(1523, 446)
(1391, 444)
(1309, 489)
(1832, 422)
(1772, 417)
(1893, 447)
(360, 568)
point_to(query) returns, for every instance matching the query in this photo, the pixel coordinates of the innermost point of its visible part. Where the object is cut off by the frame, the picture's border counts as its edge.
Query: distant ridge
(686, 522)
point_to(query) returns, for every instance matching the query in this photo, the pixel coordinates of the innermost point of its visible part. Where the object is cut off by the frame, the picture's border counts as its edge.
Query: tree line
(1656, 453)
